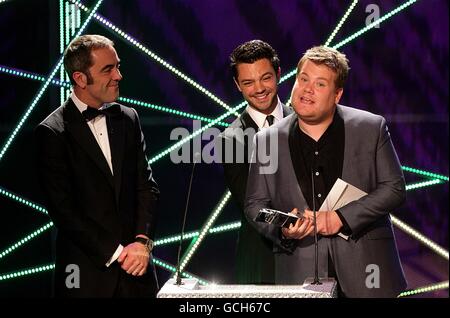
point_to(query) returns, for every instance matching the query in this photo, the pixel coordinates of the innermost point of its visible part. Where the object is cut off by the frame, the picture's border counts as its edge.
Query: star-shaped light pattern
(207, 229)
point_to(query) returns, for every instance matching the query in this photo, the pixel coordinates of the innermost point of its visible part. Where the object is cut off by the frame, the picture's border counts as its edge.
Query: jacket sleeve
(54, 173)
(235, 173)
(147, 191)
(258, 197)
(390, 191)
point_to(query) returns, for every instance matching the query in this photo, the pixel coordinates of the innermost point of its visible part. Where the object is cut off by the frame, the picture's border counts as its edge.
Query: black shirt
(320, 160)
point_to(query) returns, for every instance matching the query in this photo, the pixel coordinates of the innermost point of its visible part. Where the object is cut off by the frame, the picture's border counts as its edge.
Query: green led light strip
(171, 111)
(358, 33)
(176, 238)
(22, 200)
(423, 184)
(376, 22)
(168, 110)
(425, 289)
(43, 88)
(26, 239)
(25, 272)
(225, 227)
(343, 19)
(193, 234)
(69, 21)
(66, 26)
(194, 134)
(49, 267)
(61, 46)
(425, 173)
(173, 269)
(29, 75)
(420, 237)
(332, 35)
(205, 229)
(158, 59)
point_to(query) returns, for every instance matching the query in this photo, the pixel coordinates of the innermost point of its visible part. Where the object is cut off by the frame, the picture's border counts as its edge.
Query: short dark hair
(77, 56)
(252, 51)
(335, 60)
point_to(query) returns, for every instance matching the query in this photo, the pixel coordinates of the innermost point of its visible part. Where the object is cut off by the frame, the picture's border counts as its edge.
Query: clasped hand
(328, 223)
(134, 259)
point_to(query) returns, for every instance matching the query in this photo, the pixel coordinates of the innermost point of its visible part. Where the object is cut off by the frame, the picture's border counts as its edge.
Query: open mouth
(262, 98)
(306, 100)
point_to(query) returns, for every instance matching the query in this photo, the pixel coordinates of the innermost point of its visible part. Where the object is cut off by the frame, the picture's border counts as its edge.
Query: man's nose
(117, 76)
(259, 87)
(309, 87)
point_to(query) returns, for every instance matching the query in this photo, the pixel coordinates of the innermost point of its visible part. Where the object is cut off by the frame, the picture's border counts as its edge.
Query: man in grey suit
(324, 141)
(256, 72)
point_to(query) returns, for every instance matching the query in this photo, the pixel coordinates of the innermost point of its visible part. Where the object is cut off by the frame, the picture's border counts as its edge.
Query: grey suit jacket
(367, 265)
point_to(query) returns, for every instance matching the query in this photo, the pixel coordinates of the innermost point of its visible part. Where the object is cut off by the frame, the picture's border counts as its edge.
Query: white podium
(191, 289)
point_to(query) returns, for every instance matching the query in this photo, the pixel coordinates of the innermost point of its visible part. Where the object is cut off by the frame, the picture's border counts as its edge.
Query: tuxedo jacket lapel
(247, 121)
(116, 135)
(76, 125)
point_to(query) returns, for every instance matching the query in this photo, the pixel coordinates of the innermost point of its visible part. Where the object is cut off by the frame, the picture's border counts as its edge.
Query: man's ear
(339, 92)
(278, 74)
(80, 78)
(237, 84)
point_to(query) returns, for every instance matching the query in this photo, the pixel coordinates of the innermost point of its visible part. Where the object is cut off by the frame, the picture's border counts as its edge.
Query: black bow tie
(91, 112)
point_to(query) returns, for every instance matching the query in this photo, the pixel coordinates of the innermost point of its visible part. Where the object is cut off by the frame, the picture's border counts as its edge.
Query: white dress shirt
(260, 118)
(100, 131)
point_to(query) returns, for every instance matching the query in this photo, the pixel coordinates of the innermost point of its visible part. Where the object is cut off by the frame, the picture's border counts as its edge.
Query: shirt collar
(335, 128)
(81, 105)
(260, 118)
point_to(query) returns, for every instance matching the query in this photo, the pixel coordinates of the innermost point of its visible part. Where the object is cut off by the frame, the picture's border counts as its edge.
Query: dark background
(399, 70)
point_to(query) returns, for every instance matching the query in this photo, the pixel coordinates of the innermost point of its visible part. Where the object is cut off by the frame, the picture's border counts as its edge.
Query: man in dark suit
(256, 72)
(322, 142)
(99, 188)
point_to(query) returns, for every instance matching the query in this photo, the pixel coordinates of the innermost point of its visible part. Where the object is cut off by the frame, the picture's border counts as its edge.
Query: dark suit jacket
(371, 164)
(254, 259)
(93, 210)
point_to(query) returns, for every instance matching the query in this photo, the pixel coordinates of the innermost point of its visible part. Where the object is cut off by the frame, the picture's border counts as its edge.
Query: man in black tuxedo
(99, 188)
(256, 72)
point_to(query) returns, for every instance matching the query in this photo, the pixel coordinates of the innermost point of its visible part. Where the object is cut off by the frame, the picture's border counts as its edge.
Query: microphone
(316, 280)
(178, 274)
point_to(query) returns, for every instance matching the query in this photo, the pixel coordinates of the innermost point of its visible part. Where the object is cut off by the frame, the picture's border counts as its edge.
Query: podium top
(326, 290)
